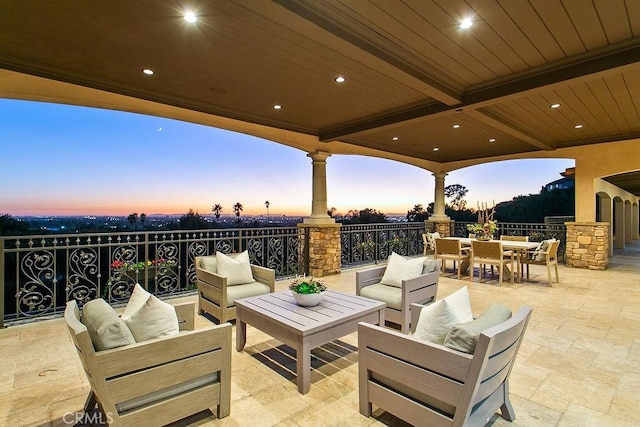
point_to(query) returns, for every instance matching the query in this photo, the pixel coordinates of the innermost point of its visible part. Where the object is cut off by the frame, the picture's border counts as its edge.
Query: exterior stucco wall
(599, 160)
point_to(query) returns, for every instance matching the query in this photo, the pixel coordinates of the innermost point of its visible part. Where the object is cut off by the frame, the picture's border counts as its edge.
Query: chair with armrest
(429, 384)
(421, 289)
(159, 381)
(451, 249)
(429, 242)
(217, 297)
(490, 253)
(544, 255)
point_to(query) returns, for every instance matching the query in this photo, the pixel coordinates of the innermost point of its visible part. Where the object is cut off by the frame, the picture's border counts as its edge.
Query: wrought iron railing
(536, 232)
(370, 243)
(40, 274)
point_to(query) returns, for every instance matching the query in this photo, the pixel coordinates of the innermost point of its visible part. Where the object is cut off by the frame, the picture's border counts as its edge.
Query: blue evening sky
(68, 160)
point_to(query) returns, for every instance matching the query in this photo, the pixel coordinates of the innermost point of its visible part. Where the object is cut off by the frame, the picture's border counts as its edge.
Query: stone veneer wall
(324, 253)
(442, 227)
(587, 245)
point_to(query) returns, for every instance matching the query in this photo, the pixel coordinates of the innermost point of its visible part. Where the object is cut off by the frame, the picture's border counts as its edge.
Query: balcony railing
(536, 232)
(39, 274)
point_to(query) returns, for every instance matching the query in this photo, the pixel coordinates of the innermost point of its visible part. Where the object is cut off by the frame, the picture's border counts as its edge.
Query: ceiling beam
(511, 128)
(430, 86)
(596, 64)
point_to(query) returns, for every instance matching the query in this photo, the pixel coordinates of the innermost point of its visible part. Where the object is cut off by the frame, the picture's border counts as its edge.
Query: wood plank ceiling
(411, 72)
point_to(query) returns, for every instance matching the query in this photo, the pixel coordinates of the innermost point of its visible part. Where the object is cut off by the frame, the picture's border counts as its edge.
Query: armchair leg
(90, 403)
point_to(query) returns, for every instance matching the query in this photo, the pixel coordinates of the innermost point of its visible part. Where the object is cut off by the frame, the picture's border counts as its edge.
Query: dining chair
(518, 254)
(489, 253)
(544, 256)
(429, 242)
(451, 249)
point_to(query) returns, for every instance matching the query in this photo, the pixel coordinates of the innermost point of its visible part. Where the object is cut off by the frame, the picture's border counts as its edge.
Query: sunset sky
(66, 160)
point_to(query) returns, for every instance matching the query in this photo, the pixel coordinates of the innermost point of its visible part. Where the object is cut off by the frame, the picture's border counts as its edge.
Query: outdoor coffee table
(305, 328)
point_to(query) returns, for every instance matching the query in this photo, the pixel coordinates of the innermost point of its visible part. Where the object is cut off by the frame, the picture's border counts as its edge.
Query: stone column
(319, 249)
(439, 221)
(319, 235)
(438, 205)
(587, 245)
(319, 190)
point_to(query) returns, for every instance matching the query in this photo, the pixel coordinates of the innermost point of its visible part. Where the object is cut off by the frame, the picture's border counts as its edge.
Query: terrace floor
(578, 364)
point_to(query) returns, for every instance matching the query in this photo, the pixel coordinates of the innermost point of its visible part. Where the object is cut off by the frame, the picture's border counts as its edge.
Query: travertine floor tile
(577, 366)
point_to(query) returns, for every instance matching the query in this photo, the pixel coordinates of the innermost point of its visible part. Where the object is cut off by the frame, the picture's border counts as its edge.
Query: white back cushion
(237, 270)
(400, 268)
(438, 318)
(104, 326)
(153, 319)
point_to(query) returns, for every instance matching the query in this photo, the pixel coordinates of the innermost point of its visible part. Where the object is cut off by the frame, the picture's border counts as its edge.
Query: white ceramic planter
(307, 300)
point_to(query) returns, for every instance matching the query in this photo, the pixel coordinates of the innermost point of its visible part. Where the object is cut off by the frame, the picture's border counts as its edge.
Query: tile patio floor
(579, 364)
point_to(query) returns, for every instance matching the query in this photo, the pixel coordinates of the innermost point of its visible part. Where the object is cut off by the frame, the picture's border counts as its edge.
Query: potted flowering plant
(307, 291)
(132, 269)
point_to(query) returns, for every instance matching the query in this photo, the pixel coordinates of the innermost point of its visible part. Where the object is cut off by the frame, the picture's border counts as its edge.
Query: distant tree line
(529, 209)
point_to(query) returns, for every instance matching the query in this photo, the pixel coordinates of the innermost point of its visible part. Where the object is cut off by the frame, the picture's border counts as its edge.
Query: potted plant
(486, 226)
(307, 291)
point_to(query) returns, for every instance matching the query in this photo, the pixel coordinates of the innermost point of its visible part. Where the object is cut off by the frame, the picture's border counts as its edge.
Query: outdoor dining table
(509, 245)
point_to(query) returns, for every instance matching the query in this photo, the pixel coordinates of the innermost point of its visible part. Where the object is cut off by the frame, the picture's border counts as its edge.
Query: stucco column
(438, 205)
(319, 190)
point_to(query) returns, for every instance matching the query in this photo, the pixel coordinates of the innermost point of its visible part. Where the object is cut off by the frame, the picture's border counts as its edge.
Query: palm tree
(237, 208)
(133, 218)
(266, 204)
(216, 209)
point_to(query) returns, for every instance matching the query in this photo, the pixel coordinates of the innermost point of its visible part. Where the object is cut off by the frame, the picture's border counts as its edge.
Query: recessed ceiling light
(395, 138)
(578, 126)
(436, 149)
(190, 17)
(466, 23)
(456, 126)
(148, 71)
(277, 107)
(556, 105)
(492, 140)
(340, 79)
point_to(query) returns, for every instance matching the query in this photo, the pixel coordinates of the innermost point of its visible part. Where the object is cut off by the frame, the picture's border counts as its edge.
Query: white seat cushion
(245, 291)
(388, 294)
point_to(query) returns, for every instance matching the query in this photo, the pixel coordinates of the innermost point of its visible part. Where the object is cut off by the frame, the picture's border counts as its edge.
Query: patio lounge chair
(159, 381)
(431, 385)
(421, 289)
(217, 293)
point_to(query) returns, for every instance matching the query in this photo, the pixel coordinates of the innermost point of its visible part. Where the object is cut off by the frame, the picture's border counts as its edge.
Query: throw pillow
(464, 337)
(539, 253)
(237, 270)
(430, 265)
(400, 268)
(153, 319)
(433, 318)
(436, 331)
(137, 299)
(105, 328)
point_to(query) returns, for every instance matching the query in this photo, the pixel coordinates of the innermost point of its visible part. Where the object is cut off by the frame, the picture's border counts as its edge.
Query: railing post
(2, 274)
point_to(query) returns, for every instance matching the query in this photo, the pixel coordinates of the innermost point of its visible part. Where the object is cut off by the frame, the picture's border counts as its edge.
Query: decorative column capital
(319, 156)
